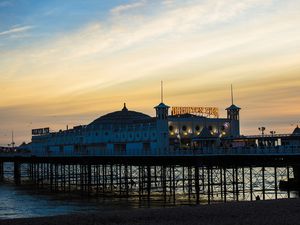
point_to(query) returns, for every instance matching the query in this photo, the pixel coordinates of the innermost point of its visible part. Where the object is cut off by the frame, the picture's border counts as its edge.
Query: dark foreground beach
(275, 212)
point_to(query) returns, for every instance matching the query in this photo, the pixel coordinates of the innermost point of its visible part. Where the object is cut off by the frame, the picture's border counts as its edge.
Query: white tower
(162, 112)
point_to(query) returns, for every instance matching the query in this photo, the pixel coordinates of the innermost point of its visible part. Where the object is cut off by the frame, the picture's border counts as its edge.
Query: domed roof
(120, 117)
(296, 130)
(162, 105)
(233, 107)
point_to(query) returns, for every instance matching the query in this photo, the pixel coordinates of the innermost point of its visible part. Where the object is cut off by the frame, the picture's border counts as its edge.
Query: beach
(273, 212)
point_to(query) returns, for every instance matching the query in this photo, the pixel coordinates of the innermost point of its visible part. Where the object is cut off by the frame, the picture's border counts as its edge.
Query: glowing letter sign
(40, 131)
(201, 111)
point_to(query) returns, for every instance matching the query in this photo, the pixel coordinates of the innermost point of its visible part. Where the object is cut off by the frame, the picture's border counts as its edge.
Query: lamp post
(262, 130)
(273, 132)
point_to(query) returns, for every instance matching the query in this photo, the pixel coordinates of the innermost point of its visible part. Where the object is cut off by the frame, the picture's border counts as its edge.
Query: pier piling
(17, 173)
(169, 182)
(1, 171)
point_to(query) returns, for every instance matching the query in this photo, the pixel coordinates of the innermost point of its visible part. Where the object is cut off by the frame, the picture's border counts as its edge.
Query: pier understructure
(197, 179)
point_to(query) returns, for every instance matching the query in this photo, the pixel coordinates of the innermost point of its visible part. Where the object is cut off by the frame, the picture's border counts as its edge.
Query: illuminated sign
(199, 111)
(40, 131)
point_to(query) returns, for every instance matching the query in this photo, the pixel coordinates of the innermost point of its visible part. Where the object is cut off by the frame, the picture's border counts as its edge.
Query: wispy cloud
(125, 7)
(171, 22)
(14, 30)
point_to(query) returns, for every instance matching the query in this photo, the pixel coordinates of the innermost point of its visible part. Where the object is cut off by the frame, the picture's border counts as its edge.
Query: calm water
(19, 203)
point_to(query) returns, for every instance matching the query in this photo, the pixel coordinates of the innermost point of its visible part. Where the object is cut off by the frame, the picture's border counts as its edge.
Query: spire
(161, 91)
(161, 104)
(232, 107)
(231, 95)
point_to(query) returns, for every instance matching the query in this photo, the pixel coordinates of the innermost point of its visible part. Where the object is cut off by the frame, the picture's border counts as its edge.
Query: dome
(296, 130)
(123, 116)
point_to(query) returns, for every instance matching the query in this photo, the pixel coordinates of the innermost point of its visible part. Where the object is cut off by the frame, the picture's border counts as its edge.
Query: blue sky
(68, 62)
(46, 19)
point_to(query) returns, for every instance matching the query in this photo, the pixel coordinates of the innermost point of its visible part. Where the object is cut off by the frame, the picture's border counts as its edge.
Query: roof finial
(231, 95)
(124, 108)
(161, 91)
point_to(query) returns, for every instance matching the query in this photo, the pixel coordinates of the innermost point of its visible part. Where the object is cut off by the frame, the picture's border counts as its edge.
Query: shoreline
(275, 212)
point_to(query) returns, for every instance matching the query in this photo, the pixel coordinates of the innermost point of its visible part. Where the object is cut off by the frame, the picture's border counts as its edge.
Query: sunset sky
(69, 62)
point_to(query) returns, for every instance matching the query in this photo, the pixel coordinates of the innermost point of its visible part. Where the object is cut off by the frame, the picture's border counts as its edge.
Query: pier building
(131, 131)
(190, 153)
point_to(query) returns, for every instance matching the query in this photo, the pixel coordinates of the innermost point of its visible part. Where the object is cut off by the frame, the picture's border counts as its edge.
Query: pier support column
(288, 181)
(148, 182)
(17, 173)
(296, 172)
(197, 185)
(275, 180)
(89, 166)
(1, 171)
(51, 177)
(263, 183)
(251, 184)
(225, 184)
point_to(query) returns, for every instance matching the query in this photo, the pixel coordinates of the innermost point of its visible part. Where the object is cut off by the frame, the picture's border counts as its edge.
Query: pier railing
(275, 150)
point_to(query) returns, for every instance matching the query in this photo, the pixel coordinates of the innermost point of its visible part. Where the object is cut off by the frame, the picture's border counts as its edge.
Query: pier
(173, 158)
(174, 177)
